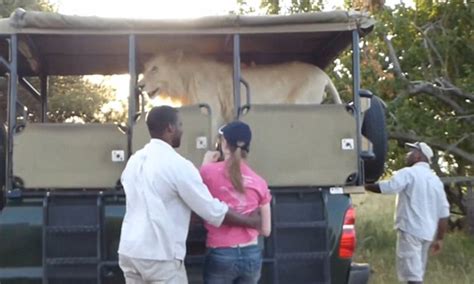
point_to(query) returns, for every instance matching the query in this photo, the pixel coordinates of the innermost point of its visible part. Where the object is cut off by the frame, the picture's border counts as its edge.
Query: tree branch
(417, 87)
(406, 137)
(439, 89)
(464, 137)
(457, 179)
(429, 45)
(450, 87)
(394, 59)
(467, 116)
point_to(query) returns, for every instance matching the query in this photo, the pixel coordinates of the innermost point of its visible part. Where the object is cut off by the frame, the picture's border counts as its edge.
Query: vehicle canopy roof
(56, 44)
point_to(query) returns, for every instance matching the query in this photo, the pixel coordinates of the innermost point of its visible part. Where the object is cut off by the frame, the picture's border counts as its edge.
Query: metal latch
(347, 144)
(201, 142)
(118, 156)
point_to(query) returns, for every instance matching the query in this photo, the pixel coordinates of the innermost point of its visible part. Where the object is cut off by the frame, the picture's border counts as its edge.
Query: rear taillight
(348, 238)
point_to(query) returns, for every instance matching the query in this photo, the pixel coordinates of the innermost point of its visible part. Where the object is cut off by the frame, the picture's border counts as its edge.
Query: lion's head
(162, 77)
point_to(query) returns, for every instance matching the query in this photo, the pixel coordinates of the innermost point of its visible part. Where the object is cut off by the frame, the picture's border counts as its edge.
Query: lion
(195, 79)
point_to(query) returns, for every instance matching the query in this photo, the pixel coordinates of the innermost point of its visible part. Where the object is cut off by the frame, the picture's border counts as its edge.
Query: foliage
(75, 97)
(428, 82)
(433, 44)
(72, 98)
(8, 6)
(420, 61)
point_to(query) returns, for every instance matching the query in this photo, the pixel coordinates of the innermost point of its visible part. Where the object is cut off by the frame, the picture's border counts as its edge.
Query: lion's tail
(330, 88)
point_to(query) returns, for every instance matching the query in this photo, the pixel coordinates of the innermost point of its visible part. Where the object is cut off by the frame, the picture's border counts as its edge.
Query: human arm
(211, 157)
(231, 218)
(443, 215)
(437, 244)
(265, 209)
(399, 181)
(194, 193)
(375, 188)
(252, 220)
(266, 220)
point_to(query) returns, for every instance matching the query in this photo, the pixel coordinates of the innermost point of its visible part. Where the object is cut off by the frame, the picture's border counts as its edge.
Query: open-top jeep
(62, 202)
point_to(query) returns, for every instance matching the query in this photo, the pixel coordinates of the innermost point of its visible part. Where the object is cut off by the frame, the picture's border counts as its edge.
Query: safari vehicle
(62, 202)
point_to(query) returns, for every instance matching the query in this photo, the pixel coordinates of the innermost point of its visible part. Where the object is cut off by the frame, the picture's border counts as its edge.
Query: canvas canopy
(55, 44)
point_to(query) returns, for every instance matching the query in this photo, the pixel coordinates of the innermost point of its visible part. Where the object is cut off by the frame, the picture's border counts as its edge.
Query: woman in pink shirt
(233, 254)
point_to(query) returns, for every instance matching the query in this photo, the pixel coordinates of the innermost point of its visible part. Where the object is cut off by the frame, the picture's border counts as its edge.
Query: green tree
(425, 56)
(8, 6)
(420, 61)
(69, 98)
(75, 97)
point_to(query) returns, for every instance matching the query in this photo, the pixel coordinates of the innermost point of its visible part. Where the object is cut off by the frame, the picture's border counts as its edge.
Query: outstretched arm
(395, 185)
(373, 188)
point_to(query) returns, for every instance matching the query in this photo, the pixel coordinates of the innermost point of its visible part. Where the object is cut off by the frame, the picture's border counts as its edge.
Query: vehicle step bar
(301, 256)
(72, 229)
(300, 225)
(71, 260)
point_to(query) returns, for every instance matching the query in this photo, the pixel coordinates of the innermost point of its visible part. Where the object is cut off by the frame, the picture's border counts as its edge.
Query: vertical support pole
(44, 97)
(357, 113)
(100, 235)
(46, 200)
(236, 73)
(132, 99)
(12, 97)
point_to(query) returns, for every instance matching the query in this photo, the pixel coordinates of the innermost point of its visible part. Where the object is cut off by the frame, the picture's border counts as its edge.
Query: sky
(166, 8)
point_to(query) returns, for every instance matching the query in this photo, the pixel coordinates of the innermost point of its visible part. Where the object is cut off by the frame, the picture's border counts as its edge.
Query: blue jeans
(239, 265)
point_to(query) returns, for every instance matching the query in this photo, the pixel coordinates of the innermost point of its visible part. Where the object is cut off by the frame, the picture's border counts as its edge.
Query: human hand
(211, 157)
(256, 219)
(436, 247)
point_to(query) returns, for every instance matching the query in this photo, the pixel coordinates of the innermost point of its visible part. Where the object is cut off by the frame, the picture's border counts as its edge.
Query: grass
(376, 245)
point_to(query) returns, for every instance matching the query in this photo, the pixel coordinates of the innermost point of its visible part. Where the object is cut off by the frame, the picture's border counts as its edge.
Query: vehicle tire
(374, 129)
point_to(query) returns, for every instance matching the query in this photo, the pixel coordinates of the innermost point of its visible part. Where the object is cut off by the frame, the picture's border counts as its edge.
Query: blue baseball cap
(237, 134)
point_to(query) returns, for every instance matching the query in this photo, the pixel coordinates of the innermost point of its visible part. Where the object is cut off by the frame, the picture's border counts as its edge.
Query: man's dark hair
(159, 118)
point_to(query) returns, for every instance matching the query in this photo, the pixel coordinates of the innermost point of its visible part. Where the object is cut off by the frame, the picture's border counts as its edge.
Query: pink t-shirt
(256, 194)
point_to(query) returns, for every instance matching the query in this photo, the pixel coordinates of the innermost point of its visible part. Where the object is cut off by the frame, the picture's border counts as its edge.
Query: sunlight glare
(163, 9)
(168, 101)
(145, 9)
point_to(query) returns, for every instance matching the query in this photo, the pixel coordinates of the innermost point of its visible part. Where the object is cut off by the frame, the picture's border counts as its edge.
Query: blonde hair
(233, 167)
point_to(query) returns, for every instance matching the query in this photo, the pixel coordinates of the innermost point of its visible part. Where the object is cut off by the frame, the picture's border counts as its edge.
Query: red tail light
(348, 238)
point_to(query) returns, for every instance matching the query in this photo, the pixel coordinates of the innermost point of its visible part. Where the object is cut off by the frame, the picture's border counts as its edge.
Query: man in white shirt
(161, 189)
(422, 212)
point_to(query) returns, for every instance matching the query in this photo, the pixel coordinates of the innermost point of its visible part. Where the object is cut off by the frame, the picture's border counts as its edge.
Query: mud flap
(359, 273)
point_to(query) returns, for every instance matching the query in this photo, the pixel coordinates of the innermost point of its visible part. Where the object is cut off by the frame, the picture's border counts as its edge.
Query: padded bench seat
(303, 145)
(196, 139)
(63, 155)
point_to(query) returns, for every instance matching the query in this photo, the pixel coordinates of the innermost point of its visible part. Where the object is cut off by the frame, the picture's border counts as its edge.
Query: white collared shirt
(161, 189)
(421, 200)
